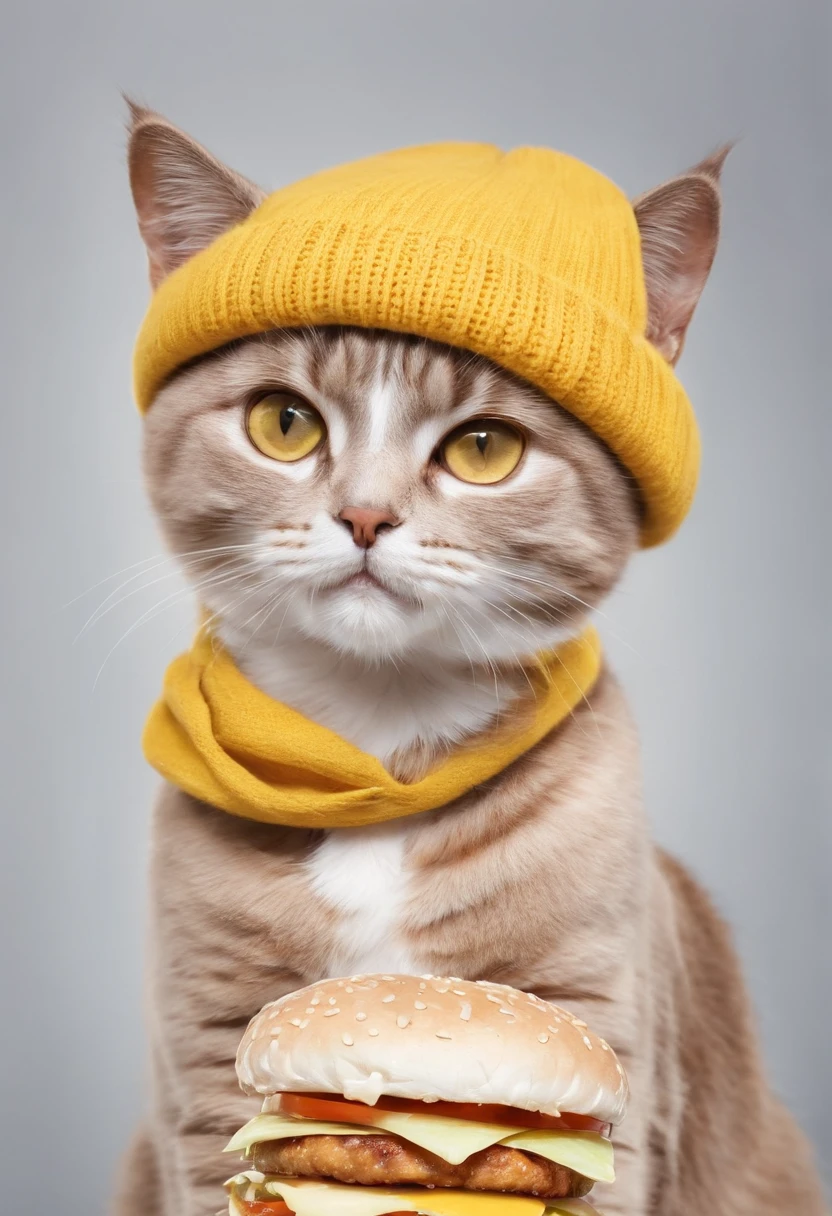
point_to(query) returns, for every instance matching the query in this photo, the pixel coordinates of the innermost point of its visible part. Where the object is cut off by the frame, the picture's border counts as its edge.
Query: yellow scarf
(220, 739)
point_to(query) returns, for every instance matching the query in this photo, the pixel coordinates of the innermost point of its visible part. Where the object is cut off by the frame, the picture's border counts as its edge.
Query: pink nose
(366, 523)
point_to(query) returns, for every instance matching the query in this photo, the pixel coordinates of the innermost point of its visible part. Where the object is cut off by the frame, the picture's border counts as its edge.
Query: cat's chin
(363, 618)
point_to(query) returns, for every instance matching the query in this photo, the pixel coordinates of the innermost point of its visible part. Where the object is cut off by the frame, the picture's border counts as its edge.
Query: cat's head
(381, 494)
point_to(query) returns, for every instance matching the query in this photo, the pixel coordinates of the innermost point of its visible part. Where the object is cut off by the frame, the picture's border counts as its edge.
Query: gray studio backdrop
(721, 638)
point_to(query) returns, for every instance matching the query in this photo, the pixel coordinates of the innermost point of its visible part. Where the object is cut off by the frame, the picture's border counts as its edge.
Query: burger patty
(388, 1161)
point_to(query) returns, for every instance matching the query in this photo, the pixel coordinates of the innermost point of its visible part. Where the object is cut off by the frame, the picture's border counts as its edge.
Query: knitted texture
(219, 738)
(529, 258)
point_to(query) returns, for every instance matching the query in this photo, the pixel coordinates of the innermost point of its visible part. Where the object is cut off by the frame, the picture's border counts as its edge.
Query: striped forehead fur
(425, 378)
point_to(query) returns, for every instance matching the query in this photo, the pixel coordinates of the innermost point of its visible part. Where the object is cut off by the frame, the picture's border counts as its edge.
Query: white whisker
(159, 559)
(109, 603)
(169, 601)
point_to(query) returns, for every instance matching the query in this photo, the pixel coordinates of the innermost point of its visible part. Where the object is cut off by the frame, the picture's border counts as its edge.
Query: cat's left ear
(679, 226)
(185, 198)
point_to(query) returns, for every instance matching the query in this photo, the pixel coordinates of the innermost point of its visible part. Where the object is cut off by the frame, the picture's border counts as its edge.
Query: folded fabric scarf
(219, 738)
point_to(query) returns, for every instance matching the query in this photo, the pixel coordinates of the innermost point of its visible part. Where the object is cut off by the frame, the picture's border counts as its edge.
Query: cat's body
(546, 882)
(409, 641)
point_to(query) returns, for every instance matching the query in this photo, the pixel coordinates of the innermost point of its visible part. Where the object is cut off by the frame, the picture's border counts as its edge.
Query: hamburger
(388, 1094)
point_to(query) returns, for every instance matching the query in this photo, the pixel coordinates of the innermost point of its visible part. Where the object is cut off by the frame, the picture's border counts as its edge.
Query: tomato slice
(327, 1110)
(341, 1110)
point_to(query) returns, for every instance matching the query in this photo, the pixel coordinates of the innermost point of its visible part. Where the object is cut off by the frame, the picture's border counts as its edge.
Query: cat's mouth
(364, 581)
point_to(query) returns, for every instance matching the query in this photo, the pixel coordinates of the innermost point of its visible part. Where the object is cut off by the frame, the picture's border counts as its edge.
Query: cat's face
(460, 571)
(471, 573)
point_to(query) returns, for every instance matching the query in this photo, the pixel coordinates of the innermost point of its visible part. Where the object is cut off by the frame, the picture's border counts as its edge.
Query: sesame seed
(373, 1033)
(465, 1013)
(333, 1000)
(495, 1000)
(347, 1040)
(295, 1022)
(459, 992)
(304, 1024)
(442, 990)
(388, 978)
(579, 1023)
(604, 1045)
(385, 1000)
(402, 1021)
(349, 988)
(543, 1038)
(316, 1000)
(588, 1043)
(330, 1013)
(419, 1005)
(440, 1034)
(422, 987)
(510, 1012)
(455, 979)
(311, 1009)
(361, 1017)
(553, 1029)
(275, 1031)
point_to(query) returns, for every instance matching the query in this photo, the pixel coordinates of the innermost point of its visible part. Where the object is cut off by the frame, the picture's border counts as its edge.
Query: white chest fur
(362, 873)
(380, 709)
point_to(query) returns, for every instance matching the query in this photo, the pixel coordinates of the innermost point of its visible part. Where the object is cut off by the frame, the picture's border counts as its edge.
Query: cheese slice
(586, 1153)
(454, 1140)
(332, 1199)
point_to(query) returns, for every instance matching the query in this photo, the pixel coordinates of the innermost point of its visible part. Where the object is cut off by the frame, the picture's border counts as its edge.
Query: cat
(369, 589)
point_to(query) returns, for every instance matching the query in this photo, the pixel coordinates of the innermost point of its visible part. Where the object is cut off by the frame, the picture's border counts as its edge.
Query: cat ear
(184, 196)
(679, 226)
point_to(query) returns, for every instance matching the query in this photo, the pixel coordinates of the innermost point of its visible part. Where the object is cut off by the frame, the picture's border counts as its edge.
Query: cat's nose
(365, 524)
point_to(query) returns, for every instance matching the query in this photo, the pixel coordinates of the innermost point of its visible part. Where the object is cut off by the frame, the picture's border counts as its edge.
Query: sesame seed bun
(431, 1039)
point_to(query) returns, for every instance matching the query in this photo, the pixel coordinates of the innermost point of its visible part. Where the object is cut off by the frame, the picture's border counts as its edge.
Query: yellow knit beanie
(528, 257)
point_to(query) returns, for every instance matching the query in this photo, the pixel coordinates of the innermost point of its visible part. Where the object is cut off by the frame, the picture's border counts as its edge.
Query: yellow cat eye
(284, 427)
(483, 451)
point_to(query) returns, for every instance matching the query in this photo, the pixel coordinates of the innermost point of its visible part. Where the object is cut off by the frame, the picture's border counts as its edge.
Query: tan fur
(546, 877)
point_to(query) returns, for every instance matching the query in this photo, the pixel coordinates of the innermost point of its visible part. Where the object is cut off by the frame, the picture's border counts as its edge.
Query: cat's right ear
(679, 227)
(184, 196)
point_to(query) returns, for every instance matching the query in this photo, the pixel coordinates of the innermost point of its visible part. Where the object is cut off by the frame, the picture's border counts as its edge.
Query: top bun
(431, 1039)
